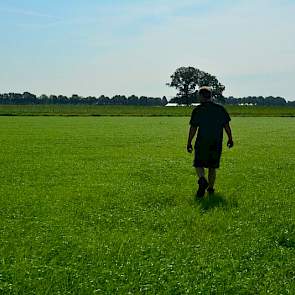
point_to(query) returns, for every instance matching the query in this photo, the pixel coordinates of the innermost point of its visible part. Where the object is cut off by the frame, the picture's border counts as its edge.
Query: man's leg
(211, 179)
(200, 172)
(203, 183)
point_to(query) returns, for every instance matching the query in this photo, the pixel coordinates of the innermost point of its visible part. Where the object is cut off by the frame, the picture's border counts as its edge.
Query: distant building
(174, 104)
(171, 104)
(247, 104)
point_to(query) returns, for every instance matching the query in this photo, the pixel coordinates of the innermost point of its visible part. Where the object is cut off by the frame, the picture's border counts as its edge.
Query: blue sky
(132, 47)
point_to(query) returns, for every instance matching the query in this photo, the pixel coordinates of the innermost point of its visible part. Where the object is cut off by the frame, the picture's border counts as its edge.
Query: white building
(173, 104)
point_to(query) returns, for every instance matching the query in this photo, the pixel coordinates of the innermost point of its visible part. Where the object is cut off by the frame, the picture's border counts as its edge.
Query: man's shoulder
(197, 109)
(208, 106)
(217, 105)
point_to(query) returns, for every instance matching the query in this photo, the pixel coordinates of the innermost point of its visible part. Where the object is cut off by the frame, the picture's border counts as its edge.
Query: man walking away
(209, 119)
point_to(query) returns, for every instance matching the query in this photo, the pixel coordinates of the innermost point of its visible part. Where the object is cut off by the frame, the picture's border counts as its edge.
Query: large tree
(186, 79)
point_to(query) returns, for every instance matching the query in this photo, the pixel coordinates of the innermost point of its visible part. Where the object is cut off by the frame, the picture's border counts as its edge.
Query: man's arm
(191, 134)
(227, 129)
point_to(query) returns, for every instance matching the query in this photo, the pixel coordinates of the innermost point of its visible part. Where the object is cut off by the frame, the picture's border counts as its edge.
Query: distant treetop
(186, 80)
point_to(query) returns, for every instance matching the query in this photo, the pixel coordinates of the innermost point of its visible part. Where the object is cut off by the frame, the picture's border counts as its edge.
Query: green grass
(139, 111)
(105, 205)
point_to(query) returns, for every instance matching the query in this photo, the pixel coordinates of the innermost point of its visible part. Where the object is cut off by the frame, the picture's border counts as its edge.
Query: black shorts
(207, 156)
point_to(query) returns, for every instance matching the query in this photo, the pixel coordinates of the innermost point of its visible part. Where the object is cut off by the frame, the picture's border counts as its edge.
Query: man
(209, 119)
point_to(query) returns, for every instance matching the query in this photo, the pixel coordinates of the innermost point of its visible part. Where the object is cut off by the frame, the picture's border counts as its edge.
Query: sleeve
(194, 122)
(226, 117)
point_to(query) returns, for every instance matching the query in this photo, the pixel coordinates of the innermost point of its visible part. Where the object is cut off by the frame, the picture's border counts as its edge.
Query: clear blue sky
(132, 47)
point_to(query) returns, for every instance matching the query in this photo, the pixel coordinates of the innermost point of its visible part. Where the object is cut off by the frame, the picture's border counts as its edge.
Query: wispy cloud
(25, 12)
(32, 19)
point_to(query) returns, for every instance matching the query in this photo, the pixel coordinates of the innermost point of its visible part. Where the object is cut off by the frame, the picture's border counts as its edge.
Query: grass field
(139, 111)
(105, 205)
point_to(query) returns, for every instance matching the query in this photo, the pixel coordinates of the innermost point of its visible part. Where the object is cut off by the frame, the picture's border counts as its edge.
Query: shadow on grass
(212, 201)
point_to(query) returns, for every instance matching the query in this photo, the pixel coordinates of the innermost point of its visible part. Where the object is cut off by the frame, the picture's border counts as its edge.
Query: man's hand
(189, 148)
(230, 143)
(192, 132)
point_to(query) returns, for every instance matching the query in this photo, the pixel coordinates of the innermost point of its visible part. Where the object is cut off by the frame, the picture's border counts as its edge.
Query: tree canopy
(186, 79)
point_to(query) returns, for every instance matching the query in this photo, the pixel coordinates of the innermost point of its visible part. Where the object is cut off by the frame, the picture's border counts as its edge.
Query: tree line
(29, 98)
(249, 100)
(260, 101)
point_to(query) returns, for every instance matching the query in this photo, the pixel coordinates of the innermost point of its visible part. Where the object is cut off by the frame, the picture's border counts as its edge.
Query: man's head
(205, 93)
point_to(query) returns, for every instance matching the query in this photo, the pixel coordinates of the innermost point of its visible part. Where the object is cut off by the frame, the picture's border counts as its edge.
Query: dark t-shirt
(210, 119)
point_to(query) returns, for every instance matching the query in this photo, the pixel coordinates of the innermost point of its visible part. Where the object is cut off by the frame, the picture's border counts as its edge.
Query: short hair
(205, 92)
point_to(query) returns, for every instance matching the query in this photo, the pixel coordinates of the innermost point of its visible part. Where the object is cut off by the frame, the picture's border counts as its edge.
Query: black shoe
(210, 190)
(203, 184)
